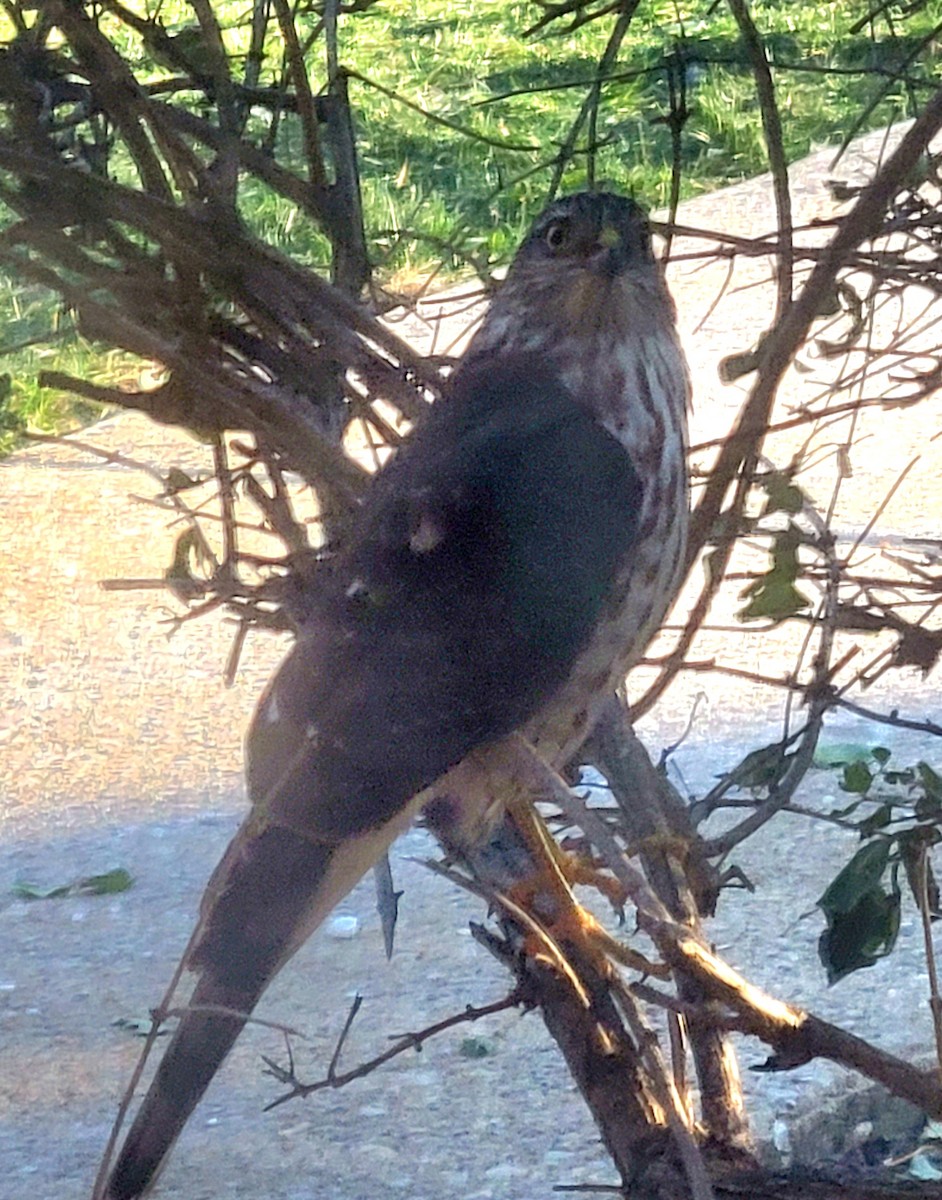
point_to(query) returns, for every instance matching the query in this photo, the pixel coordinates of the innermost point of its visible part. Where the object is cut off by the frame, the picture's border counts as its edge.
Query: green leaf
(184, 546)
(857, 778)
(848, 809)
(774, 598)
(118, 880)
(29, 891)
(931, 781)
(475, 1047)
(781, 495)
(761, 768)
(881, 754)
(857, 878)
(178, 481)
(774, 594)
(838, 754)
(860, 936)
(914, 850)
(734, 366)
(190, 553)
(108, 884)
(877, 820)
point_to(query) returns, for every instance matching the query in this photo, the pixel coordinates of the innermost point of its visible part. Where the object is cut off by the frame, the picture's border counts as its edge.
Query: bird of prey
(502, 573)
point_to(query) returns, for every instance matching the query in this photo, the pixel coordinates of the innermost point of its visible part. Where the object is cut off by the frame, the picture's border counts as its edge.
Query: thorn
(387, 902)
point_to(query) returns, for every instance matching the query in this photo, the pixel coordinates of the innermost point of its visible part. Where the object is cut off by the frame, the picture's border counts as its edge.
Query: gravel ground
(121, 747)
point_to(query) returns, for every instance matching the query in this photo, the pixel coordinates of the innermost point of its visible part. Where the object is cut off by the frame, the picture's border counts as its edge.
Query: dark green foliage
(107, 884)
(774, 594)
(900, 824)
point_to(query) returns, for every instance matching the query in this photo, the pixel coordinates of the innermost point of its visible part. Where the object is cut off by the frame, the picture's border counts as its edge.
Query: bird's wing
(474, 578)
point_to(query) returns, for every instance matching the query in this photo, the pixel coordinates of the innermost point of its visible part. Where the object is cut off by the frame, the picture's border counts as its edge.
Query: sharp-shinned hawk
(502, 574)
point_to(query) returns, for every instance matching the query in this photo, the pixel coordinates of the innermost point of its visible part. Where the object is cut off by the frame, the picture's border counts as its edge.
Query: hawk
(503, 572)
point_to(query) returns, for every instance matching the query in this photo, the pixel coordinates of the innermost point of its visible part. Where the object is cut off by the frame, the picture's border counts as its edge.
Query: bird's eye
(557, 235)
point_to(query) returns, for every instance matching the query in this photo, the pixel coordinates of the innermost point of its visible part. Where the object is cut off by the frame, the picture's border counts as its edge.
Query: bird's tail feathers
(198, 1048)
(269, 893)
(249, 927)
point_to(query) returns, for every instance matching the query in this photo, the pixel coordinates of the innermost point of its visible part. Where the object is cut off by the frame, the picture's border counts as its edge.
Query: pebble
(343, 928)
(861, 1133)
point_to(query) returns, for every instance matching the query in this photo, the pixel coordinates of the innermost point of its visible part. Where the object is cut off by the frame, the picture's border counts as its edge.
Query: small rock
(861, 1133)
(343, 927)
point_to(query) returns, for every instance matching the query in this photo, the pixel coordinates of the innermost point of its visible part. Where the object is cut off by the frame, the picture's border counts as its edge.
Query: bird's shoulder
(506, 430)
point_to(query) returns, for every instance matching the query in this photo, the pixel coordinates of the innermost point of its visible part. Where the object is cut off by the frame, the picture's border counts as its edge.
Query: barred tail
(268, 894)
(196, 1052)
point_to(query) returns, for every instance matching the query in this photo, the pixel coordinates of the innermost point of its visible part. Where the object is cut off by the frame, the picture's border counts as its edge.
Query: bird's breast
(640, 394)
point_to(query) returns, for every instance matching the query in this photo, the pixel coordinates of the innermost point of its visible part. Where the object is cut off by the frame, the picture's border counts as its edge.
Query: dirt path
(121, 747)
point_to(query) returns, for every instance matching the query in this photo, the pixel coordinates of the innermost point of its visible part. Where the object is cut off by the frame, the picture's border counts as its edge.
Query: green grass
(39, 336)
(457, 60)
(425, 185)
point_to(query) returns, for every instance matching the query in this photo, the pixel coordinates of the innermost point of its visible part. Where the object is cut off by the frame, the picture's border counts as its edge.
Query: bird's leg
(585, 869)
(545, 891)
(486, 817)
(557, 872)
(483, 814)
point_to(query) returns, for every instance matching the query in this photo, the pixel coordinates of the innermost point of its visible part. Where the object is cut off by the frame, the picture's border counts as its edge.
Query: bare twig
(591, 101)
(921, 873)
(403, 1043)
(772, 124)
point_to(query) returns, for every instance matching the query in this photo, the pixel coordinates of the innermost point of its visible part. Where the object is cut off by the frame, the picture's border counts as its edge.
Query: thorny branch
(795, 1036)
(402, 1043)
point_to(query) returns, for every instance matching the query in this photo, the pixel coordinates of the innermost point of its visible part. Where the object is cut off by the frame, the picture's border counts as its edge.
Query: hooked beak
(609, 256)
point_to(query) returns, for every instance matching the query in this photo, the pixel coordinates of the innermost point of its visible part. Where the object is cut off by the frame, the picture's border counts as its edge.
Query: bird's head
(586, 300)
(585, 269)
(595, 233)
